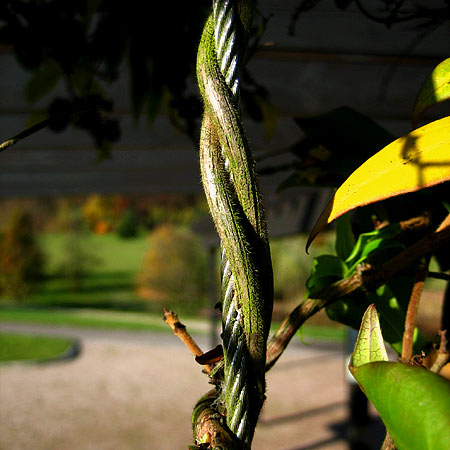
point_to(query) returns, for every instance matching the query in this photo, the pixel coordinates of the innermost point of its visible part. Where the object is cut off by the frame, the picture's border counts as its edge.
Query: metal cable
(234, 341)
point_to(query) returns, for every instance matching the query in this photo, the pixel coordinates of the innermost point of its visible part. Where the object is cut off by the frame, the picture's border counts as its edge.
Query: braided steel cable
(235, 356)
(233, 196)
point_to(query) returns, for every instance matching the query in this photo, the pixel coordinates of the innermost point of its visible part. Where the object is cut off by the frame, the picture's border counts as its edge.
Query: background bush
(128, 226)
(21, 259)
(174, 269)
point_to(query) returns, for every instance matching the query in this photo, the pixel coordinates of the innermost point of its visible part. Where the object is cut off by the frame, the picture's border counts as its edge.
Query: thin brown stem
(442, 354)
(69, 115)
(411, 313)
(171, 318)
(279, 341)
(428, 244)
(209, 426)
(307, 308)
(359, 282)
(24, 134)
(421, 222)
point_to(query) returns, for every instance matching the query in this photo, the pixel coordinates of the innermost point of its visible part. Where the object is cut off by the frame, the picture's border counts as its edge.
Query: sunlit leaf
(413, 162)
(371, 241)
(435, 89)
(413, 402)
(369, 345)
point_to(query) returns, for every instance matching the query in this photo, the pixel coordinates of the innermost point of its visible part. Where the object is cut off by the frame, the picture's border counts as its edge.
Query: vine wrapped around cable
(231, 188)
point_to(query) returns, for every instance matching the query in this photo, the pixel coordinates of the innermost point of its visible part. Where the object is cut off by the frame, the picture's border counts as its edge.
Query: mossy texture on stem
(232, 191)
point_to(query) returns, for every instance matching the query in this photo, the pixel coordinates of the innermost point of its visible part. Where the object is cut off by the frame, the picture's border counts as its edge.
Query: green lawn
(107, 319)
(104, 246)
(106, 296)
(141, 321)
(18, 347)
(111, 265)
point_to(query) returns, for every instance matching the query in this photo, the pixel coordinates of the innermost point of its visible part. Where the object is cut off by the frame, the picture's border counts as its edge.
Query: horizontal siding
(334, 59)
(325, 28)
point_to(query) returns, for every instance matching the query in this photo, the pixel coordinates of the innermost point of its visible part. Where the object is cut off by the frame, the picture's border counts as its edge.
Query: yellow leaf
(435, 89)
(418, 160)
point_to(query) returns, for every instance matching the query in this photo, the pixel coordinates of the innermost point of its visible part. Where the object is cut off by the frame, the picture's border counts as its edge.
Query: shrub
(174, 267)
(99, 212)
(21, 259)
(128, 226)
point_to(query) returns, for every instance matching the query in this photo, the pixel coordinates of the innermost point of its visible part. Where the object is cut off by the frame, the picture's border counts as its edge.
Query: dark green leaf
(42, 81)
(326, 270)
(392, 317)
(345, 133)
(413, 402)
(86, 84)
(345, 240)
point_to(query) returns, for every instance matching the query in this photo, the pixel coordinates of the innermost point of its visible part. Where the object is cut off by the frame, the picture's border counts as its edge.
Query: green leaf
(434, 90)
(376, 252)
(413, 403)
(374, 248)
(326, 270)
(392, 318)
(86, 84)
(446, 206)
(43, 81)
(349, 311)
(369, 345)
(371, 241)
(345, 240)
(336, 143)
(344, 132)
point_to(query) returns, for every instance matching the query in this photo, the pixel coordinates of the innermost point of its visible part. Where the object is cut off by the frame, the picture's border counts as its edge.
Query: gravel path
(133, 390)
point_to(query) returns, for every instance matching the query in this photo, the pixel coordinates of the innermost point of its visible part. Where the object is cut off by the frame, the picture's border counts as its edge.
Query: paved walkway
(136, 390)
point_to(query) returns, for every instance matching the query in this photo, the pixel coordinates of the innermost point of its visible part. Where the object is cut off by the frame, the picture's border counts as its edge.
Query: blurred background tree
(21, 259)
(166, 276)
